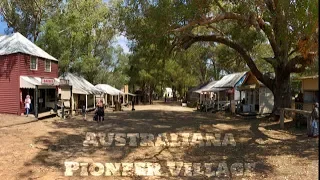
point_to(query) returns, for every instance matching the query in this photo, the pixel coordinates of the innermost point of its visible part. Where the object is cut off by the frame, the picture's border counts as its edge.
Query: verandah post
(55, 99)
(86, 101)
(36, 103)
(71, 101)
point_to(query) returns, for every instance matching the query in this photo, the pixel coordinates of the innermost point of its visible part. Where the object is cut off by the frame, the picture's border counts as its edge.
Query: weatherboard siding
(9, 84)
(40, 72)
(11, 68)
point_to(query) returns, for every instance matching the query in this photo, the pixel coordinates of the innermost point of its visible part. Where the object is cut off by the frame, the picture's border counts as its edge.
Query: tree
(289, 28)
(27, 17)
(80, 36)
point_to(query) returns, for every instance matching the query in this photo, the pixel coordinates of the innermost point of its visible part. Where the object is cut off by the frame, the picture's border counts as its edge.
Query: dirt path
(38, 150)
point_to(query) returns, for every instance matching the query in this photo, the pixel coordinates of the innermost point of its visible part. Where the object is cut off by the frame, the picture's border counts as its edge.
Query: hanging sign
(47, 81)
(64, 82)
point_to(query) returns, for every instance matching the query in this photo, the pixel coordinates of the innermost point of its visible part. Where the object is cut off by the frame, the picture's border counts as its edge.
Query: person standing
(314, 121)
(100, 111)
(27, 103)
(84, 112)
(31, 107)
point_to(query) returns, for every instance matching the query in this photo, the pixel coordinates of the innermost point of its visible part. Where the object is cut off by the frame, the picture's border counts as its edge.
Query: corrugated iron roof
(80, 85)
(206, 87)
(17, 43)
(229, 81)
(106, 88)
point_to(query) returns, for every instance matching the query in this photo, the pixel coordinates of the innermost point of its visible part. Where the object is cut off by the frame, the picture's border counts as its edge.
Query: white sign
(47, 81)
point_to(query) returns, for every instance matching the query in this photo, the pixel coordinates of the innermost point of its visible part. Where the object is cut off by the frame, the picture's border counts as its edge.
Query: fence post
(282, 118)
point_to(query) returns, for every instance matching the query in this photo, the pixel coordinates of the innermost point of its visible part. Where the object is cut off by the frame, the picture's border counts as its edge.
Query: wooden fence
(282, 112)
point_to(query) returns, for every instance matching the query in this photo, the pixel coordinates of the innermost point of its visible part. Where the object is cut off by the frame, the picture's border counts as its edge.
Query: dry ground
(38, 149)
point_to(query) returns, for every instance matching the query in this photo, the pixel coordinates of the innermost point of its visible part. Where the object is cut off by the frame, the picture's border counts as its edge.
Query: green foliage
(27, 17)
(80, 36)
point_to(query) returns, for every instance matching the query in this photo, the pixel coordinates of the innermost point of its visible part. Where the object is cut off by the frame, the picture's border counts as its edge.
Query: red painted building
(25, 69)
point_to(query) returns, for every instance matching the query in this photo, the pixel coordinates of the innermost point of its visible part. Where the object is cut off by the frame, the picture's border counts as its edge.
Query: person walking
(27, 103)
(100, 111)
(314, 129)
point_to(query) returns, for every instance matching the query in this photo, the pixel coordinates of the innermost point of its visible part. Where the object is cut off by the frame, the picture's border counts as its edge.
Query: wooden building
(258, 98)
(25, 69)
(310, 90)
(83, 92)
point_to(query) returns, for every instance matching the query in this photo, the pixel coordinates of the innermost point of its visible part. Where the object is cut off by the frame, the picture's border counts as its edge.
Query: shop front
(43, 94)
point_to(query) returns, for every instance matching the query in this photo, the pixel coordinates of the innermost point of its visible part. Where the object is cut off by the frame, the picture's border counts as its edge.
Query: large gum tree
(288, 27)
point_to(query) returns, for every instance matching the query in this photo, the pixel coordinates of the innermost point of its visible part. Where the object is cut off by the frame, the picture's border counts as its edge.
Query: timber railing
(282, 112)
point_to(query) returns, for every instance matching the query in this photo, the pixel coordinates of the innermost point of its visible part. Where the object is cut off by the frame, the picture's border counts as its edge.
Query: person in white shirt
(27, 103)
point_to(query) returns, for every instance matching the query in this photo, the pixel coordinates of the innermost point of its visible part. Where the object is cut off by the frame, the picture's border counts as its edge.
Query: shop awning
(105, 88)
(32, 82)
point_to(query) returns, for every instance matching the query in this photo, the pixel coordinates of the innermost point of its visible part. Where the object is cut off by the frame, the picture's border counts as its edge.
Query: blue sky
(3, 25)
(121, 40)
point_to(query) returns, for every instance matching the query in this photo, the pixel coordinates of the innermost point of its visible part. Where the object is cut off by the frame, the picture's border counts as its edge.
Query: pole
(107, 100)
(62, 109)
(45, 98)
(36, 103)
(218, 100)
(86, 101)
(55, 99)
(71, 100)
(133, 103)
(94, 100)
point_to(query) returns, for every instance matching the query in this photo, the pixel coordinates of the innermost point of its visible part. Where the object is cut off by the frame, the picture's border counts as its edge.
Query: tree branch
(188, 40)
(270, 35)
(299, 63)
(271, 61)
(220, 6)
(270, 5)
(293, 51)
(217, 18)
(253, 20)
(215, 29)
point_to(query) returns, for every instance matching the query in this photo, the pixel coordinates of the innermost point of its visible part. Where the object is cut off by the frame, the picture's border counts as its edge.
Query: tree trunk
(150, 94)
(144, 94)
(281, 92)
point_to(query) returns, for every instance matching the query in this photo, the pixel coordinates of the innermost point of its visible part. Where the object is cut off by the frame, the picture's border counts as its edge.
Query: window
(310, 96)
(33, 63)
(47, 65)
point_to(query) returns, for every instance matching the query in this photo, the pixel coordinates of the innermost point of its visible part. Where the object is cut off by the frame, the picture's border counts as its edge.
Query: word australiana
(164, 139)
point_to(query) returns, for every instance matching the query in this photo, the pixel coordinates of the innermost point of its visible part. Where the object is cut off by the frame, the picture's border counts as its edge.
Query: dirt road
(38, 149)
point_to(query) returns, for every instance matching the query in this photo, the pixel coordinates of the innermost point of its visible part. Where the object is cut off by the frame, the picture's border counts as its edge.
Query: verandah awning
(31, 82)
(248, 87)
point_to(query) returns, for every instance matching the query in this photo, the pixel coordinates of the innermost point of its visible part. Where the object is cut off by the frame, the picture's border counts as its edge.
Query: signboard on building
(126, 89)
(47, 81)
(64, 82)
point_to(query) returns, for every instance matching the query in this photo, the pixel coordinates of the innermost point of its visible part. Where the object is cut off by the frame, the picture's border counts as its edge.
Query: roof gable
(229, 81)
(17, 43)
